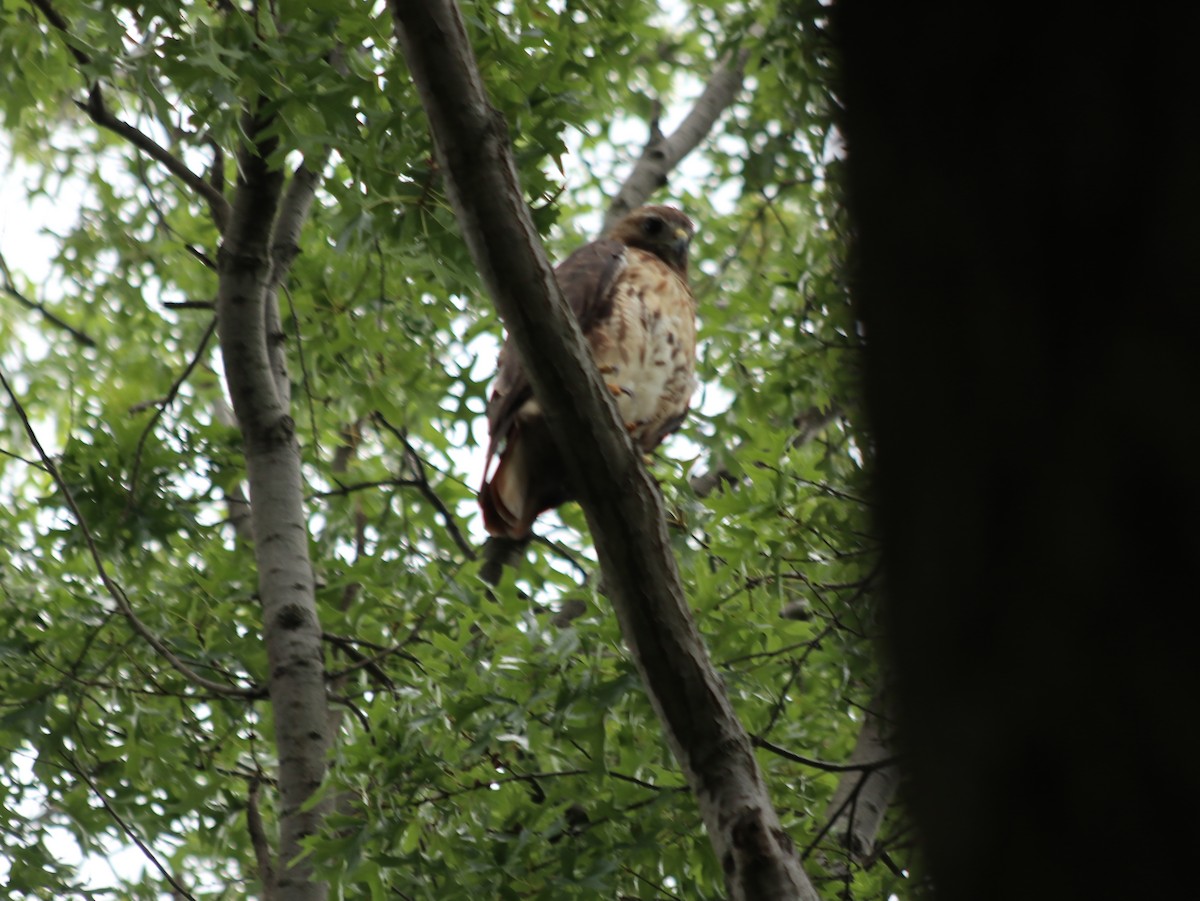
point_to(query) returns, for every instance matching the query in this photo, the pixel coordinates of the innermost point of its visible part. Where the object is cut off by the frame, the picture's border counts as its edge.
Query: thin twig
(370, 664)
(172, 393)
(347, 490)
(114, 590)
(34, 463)
(10, 288)
(777, 708)
(821, 764)
(849, 803)
(259, 841)
(479, 784)
(166, 226)
(73, 766)
(567, 554)
(421, 483)
(99, 113)
(658, 887)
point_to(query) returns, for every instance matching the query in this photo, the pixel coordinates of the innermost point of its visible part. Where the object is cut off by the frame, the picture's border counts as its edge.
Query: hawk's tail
(528, 480)
(501, 502)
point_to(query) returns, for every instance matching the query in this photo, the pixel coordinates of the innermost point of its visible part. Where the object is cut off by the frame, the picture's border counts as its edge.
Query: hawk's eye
(652, 226)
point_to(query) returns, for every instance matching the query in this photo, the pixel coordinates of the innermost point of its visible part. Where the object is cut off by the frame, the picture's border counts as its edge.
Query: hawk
(630, 293)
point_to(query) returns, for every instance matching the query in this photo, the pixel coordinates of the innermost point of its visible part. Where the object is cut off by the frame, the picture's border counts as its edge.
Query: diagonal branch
(856, 764)
(9, 286)
(261, 844)
(621, 502)
(74, 766)
(115, 591)
(161, 408)
(99, 113)
(53, 17)
(663, 153)
(166, 226)
(858, 805)
(421, 483)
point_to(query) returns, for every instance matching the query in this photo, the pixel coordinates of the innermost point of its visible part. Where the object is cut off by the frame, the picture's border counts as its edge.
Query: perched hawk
(630, 293)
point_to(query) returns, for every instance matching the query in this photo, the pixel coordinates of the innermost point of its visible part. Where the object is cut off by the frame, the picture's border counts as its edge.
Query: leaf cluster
(491, 743)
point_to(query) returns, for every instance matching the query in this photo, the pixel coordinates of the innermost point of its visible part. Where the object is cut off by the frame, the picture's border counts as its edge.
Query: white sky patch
(25, 220)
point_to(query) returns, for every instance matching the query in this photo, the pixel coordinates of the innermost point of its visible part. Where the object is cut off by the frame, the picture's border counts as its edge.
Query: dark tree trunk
(1025, 188)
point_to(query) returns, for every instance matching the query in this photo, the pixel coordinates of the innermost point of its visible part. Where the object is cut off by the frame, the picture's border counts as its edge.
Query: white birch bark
(257, 379)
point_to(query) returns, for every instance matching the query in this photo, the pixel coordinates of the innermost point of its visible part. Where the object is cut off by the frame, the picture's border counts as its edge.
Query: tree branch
(161, 408)
(235, 497)
(857, 807)
(621, 502)
(663, 153)
(74, 766)
(166, 226)
(421, 483)
(114, 590)
(9, 287)
(60, 23)
(260, 843)
(854, 766)
(99, 113)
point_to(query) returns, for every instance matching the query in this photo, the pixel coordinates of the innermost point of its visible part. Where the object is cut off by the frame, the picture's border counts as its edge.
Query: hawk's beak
(682, 239)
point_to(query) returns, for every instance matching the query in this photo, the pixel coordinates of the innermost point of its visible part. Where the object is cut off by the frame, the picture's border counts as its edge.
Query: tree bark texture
(290, 626)
(621, 502)
(1025, 195)
(862, 797)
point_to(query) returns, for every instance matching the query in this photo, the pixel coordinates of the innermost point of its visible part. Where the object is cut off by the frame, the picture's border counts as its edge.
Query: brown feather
(529, 480)
(629, 305)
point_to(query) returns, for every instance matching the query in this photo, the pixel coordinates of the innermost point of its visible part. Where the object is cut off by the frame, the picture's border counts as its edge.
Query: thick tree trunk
(290, 625)
(620, 500)
(1024, 185)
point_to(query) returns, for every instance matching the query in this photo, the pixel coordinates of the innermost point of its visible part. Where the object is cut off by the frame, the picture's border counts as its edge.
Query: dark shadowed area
(1025, 186)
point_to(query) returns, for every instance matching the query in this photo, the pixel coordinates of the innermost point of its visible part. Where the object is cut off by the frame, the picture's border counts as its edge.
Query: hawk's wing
(629, 293)
(586, 279)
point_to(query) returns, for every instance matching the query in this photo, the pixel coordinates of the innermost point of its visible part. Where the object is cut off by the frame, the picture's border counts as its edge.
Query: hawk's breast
(647, 347)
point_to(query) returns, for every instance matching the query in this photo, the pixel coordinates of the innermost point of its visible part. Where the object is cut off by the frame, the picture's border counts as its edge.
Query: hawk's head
(661, 230)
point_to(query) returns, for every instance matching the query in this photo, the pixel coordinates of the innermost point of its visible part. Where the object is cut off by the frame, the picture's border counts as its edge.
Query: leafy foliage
(490, 744)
